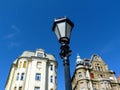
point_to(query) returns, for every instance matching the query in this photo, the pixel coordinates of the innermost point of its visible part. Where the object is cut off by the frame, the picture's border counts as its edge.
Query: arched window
(95, 66)
(25, 64)
(101, 68)
(51, 67)
(98, 67)
(80, 74)
(20, 64)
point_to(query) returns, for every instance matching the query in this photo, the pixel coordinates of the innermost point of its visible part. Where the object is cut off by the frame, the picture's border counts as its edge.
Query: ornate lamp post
(62, 28)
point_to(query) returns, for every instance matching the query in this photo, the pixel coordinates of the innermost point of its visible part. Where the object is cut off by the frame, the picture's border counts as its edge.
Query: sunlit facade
(33, 71)
(93, 74)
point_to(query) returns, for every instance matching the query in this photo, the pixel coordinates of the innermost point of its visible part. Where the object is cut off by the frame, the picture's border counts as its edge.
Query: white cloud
(13, 44)
(15, 28)
(15, 31)
(11, 37)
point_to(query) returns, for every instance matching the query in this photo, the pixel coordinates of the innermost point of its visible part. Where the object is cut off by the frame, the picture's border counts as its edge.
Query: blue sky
(27, 25)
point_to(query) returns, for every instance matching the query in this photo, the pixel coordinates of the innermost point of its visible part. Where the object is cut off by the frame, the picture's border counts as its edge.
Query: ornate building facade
(33, 71)
(93, 74)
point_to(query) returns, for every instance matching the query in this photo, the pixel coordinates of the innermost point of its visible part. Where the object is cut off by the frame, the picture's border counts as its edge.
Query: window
(81, 82)
(51, 67)
(103, 89)
(101, 75)
(82, 88)
(80, 74)
(55, 80)
(20, 65)
(15, 88)
(25, 64)
(91, 75)
(94, 88)
(17, 78)
(38, 77)
(51, 79)
(40, 54)
(111, 78)
(22, 76)
(20, 88)
(55, 68)
(37, 88)
(99, 68)
(39, 64)
(95, 66)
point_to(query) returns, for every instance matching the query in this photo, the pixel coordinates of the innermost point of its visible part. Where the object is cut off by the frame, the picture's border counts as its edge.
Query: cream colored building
(33, 71)
(93, 74)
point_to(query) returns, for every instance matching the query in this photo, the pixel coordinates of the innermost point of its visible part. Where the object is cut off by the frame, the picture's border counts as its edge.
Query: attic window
(40, 54)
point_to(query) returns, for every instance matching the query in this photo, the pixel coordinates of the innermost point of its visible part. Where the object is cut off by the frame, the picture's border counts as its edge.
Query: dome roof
(79, 61)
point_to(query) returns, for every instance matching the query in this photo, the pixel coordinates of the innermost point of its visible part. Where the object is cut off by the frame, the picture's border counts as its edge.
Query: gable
(98, 64)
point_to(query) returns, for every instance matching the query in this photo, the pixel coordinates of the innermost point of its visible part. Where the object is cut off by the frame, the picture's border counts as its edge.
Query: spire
(79, 61)
(78, 56)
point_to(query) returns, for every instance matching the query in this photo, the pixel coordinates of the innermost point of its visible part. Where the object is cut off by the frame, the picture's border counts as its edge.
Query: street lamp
(62, 28)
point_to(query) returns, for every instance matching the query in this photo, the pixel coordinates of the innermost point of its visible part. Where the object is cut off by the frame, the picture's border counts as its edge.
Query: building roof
(28, 54)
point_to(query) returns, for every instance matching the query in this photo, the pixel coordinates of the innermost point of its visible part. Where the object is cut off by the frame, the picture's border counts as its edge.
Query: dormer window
(40, 54)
